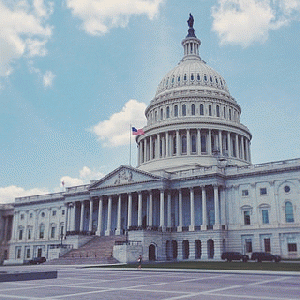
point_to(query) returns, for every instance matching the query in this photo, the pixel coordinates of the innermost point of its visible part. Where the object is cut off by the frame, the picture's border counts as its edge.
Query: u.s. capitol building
(193, 194)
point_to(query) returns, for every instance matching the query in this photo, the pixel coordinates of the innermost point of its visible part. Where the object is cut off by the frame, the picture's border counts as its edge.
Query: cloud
(244, 22)
(24, 31)
(8, 194)
(115, 131)
(99, 16)
(48, 79)
(85, 176)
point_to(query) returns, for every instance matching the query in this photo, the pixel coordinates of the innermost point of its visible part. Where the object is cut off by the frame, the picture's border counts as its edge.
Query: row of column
(165, 144)
(162, 194)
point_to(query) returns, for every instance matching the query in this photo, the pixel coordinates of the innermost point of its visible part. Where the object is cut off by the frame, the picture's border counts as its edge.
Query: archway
(185, 249)
(174, 249)
(197, 249)
(210, 248)
(152, 252)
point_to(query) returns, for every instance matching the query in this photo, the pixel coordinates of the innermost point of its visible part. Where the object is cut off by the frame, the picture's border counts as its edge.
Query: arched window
(205, 78)
(192, 77)
(176, 111)
(168, 112)
(183, 110)
(184, 77)
(193, 109)
(198, 77)
(218, 110)
(201, 109)
(178, 79)
(183, 144)
(194, 143)
(289, 214)
(42, 231)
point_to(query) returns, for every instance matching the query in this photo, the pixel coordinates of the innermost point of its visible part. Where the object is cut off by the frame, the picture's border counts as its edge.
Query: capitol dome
(192, 121)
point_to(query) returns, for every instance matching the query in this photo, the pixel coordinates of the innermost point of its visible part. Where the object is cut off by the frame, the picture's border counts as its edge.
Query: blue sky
(75, 73)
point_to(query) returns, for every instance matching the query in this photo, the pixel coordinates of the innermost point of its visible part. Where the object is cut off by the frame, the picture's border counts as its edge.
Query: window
(263, 191)
(176, 111)
(209, 110)
(183, 144)
(201, 109)
(178, 79)
(245, 193)
(267, 244)
(194, 139)
(174, 145)
(161, 113)
(292, 247)
(42, 231)
(54, 213)
(18, 250)
(184, 110)
(218, 110)
(52, 232)
(168, 112)
(43, 214)
(248, 245)
(22, 216)
(155, 116)
(246, 217)
(20, 234)
(193, 108)
(173, 79)
(63, 212)
(198, 77)
(192, 77)
(210, 78)
(203, 143)
(30, 215)
(205, 78)
(160, 148)
(29, 233)
(28, 253)
(184, 77)
(265, 216)
(289, 214)
(287, 189)
(224, 112)
(229, 114)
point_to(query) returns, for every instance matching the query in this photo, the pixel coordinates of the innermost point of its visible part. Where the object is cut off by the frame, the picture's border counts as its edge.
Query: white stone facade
(194, 193)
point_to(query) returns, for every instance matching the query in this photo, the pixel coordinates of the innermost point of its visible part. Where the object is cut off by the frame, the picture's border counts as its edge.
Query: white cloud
(23, 31)
(99, 16)
(8, 194)
(48, 79)
(244, 22)
(116, 131)
(85, 176)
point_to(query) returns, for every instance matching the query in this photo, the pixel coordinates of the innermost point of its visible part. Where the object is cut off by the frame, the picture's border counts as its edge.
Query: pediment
(124, 175)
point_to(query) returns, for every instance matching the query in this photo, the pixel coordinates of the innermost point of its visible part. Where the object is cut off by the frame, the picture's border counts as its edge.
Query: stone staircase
(98, 250)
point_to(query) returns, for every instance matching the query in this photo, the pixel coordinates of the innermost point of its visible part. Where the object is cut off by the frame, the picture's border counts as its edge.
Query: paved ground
(83, 284)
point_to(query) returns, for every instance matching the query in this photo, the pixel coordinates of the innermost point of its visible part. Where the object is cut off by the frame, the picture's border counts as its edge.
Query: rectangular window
(246, 217)
(248, 245)
(184, 110)
(267, 244)
(292, 247)
(18, 252)
(30, 215)
(263, 191)
(63, 212)
(22, 217)
(20, 234)
(28, 253)
(52, 232)
(29, 234)
(42, 231)
(54, 213)
(176, 111)
(203, 143)
(265, 216)
(245, 192)
(168, 112)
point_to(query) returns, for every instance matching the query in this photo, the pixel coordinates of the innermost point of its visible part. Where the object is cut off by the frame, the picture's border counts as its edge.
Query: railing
(77, 232)
(131, 243)
(39, 197)
(78, 188)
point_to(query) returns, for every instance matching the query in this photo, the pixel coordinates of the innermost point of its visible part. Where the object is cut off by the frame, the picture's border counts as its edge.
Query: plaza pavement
(79, 283)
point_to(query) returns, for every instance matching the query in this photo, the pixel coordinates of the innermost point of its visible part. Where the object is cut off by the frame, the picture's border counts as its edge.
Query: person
(140, 261)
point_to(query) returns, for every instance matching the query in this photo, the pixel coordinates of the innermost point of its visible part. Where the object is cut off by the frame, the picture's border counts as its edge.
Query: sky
(74, 74)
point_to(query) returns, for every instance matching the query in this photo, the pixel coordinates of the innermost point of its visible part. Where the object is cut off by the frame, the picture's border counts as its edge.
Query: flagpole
(130, 146)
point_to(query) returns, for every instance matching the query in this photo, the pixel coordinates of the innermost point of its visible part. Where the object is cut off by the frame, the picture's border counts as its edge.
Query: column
(223, 205)
(145, 149)
(157, 146)
(100, 209)
(108, 227)
(5, 229)
(81, 216)
(209, 142)
(204, 210)
(178, 152)
(129, 217)
(217, 208)
(118, 231)
(198, 142)
(237, 145)
(169, 222)
(179, 227)
(91, 215)
(229, 144)
(150, 148)
(16, 224)
(150, 220)
(140, 208)
(162, 210)
(65, 222)
(192, 210)
(220, 143)
(188, 142)
(72, 216)
(167, 144)
(247, 150)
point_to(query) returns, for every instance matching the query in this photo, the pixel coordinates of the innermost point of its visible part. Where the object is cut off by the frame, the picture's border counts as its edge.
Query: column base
(163, 228)
(192, 228)
(98, 233)
(217, 227)
(118, 232)
(203, 227)
(179, 228)
(107, 233)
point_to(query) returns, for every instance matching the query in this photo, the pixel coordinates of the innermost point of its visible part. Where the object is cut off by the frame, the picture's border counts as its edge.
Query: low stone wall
(128, 252)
